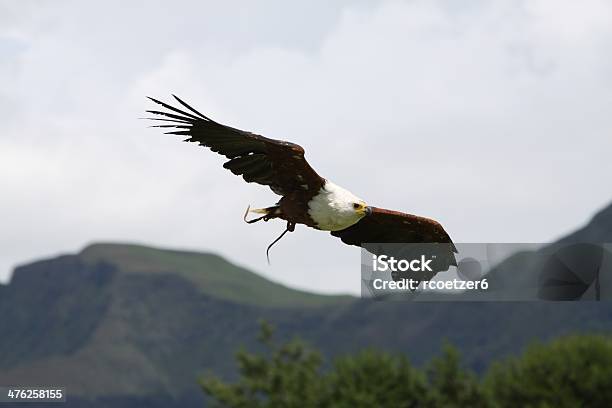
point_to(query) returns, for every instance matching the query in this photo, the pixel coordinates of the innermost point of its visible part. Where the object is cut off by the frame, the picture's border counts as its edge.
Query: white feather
(332, 208)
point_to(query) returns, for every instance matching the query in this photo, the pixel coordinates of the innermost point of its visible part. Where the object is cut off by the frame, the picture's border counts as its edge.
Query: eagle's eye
(356, 206)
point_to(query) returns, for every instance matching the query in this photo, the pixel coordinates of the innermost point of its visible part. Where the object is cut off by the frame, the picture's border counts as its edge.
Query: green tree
(289, 376)
(569, 372)
(375, 379)
(453, 386)
(574, 371)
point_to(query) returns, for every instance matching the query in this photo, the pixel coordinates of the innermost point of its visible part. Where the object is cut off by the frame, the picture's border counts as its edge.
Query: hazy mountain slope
(598, 230)
(209, 273)
(519, 275)
(52, 307)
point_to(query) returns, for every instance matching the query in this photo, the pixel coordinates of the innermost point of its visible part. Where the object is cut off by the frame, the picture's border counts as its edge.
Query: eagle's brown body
(294, 208)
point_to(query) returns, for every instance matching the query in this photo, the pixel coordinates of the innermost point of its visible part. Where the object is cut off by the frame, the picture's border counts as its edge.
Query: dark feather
(169, 115)
(172, 108)
(386, 226)
(190, 108)
(278, 164)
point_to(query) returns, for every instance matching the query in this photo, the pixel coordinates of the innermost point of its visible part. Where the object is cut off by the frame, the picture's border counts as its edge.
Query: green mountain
(209, 273)
(127, 325)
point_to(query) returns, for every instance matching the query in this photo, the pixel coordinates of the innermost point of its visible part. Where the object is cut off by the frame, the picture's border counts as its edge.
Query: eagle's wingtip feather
(185, 104)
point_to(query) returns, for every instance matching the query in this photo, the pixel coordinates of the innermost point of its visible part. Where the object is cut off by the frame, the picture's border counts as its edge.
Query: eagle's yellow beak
(362, 209)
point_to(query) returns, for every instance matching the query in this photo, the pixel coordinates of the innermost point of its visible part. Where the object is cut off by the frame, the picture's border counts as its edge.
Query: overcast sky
(493, 117)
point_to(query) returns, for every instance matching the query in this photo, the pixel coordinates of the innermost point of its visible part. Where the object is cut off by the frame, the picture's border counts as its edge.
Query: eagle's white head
(334, 208)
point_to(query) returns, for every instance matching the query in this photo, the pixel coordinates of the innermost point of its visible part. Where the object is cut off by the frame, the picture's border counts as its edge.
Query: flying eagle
(307, 198)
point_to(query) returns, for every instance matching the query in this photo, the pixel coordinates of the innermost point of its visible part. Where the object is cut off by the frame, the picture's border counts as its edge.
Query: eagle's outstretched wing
(387, 226)
(275, 163)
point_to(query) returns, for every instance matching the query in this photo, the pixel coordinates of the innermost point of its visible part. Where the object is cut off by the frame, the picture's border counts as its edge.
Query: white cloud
(492, 117)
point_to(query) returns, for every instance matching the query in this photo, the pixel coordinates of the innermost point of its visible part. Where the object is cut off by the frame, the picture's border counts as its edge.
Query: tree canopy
(568, 372)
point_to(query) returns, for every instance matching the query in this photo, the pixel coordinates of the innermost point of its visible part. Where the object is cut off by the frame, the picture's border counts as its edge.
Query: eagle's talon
(267, 216)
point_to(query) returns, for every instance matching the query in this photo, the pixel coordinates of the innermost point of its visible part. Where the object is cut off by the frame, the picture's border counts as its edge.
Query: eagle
(306, 197)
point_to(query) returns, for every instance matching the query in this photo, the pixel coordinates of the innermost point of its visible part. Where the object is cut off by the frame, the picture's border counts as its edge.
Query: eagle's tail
(269, 213)
(258, 210)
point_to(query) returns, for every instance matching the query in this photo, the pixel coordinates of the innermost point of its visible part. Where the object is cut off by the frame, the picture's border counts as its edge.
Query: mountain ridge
(211, 273)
